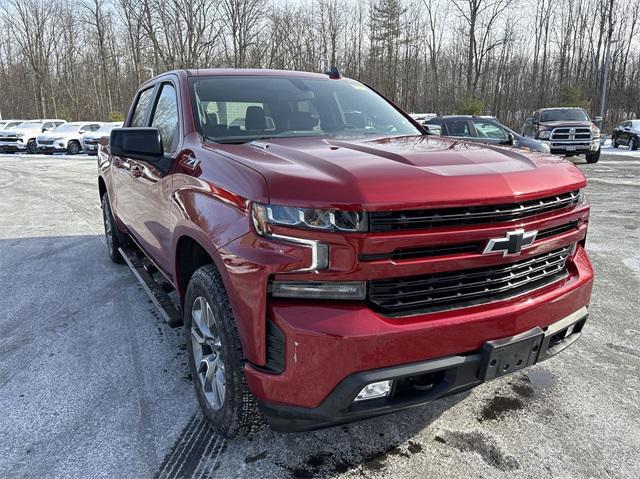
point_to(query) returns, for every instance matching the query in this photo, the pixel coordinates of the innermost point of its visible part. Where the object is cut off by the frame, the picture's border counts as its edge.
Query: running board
(156, 292)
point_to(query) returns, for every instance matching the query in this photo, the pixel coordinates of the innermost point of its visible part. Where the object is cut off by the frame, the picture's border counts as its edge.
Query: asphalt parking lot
(94, 384)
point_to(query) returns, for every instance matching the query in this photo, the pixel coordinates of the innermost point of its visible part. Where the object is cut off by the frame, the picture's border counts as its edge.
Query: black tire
(593, 157)
(614, 142)
(32, 147)
(73, 148)
(113, 237)
(633, 144)
(239, 413)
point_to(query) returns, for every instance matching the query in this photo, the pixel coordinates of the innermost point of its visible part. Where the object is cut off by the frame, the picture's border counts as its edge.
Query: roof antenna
(333, 73)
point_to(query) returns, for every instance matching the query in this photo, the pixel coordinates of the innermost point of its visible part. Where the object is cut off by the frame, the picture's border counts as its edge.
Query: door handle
(136, 171)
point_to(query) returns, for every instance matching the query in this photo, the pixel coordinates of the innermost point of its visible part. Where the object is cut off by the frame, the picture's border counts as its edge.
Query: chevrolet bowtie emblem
(513, 243)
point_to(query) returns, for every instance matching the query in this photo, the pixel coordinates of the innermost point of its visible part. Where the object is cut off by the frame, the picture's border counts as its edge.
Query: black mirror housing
(136, 143)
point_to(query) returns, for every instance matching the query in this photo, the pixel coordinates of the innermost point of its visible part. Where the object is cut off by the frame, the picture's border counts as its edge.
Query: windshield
(29, 125)
(67, 128)
(565, 114)
(12, 124)
(240, 109)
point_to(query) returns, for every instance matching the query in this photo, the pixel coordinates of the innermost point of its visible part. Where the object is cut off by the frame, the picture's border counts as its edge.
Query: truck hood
(55, 136)
(565, 124)
(400, 172)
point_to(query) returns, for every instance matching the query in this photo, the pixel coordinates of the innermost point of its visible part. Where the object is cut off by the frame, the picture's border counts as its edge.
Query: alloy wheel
(208, 352)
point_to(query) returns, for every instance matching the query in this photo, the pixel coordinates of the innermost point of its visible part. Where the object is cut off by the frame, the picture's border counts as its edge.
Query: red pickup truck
(329, 259)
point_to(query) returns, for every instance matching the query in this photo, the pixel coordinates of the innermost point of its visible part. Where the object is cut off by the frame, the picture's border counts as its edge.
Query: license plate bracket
(505, 356)
(571, 148)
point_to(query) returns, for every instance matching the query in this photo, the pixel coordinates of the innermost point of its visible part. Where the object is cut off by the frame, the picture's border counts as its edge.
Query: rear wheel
(216, 359)
(633, 144)
(614, 142)
(593, 157)
(112, 235)
(73, 148)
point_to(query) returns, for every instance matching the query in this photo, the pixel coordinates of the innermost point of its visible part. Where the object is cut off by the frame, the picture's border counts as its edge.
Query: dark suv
(627, 133)
(567, 131)
(482, 129)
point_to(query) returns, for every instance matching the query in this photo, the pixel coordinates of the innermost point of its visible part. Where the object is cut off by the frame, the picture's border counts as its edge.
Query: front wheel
(593, 157)
(614, 142)
(633, 144)
(73, 148)
(216, 359)
(32, 147)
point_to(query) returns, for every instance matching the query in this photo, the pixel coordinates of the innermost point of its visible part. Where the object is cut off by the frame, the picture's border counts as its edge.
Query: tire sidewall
(112, 247)
(31, 147)
(73, 148)
(203, 283)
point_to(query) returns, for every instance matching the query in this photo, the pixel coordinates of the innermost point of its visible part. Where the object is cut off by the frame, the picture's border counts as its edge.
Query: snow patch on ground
(607, 149)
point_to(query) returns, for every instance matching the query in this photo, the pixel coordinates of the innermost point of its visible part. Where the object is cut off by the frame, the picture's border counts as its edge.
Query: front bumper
(423, 381)
(570, 147)
(326, 342)
(51, 148)
(12, 146)
(55, 146)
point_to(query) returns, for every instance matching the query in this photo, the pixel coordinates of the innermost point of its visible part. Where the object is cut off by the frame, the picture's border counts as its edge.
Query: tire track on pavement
(195, 454)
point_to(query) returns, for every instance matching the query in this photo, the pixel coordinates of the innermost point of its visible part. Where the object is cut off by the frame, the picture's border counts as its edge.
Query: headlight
(582, 197)
(544, 134)
(309, 218)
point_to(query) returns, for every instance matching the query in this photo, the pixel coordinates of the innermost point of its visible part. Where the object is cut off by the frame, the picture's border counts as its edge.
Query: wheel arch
(189, 256)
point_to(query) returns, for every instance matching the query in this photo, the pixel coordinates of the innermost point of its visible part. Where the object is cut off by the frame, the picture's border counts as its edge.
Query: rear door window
(458, 128)
(142, 106)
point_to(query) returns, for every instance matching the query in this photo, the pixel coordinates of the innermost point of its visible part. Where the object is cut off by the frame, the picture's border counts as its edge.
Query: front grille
(566, 134)
(9, 138)
(460, 248)
(458, 289)
(380, 221)
(45, 142)
(91, 142)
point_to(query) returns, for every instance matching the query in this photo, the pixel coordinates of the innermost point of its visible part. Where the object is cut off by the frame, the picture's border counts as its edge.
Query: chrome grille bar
(442, 291)
(420, 219)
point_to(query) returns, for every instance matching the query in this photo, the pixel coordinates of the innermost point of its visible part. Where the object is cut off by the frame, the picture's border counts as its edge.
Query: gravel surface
(94, 384)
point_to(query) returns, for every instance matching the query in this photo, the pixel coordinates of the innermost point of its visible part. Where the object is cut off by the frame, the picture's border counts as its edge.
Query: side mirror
(44, 130)
(136, 143)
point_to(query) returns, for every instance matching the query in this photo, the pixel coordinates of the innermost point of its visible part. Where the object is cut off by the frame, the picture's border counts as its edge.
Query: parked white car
(66, 138)
(90, 140)
(23, 136)
(9, 124)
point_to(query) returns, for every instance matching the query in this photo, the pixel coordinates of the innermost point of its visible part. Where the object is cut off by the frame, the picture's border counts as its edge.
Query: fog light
(374, 390)
(339, 290)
